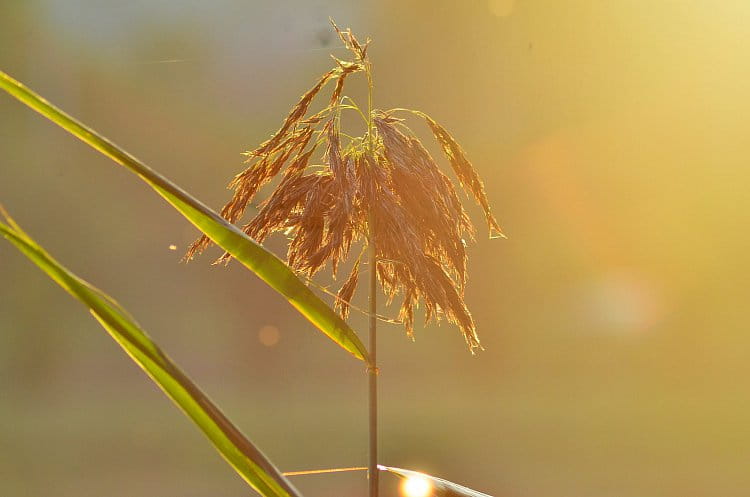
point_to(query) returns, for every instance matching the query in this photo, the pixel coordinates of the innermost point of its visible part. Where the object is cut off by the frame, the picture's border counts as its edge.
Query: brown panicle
(465, 172)
(444, 297)
(350, 41)
(339, 218)
(247, 183)
(308, 236)
(295, 115)
(429, 197)
(347, 68)
(449, 221)
(345, 294)
(383, 187)
(419, 256)
(278, 210)
(369, 174)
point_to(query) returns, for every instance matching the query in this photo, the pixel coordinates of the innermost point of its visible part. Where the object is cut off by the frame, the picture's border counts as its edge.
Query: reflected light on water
(416, 486)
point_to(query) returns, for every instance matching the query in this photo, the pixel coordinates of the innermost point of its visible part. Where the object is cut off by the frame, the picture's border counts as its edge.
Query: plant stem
(373, 372)
(372, 368)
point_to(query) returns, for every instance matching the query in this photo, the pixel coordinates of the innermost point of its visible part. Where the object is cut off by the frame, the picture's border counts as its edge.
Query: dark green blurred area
(611, 137)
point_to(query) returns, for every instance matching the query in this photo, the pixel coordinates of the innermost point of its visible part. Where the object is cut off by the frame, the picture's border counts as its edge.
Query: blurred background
(609, 135)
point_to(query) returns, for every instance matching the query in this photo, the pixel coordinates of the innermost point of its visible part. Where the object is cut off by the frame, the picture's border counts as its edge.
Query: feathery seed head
(383, 188)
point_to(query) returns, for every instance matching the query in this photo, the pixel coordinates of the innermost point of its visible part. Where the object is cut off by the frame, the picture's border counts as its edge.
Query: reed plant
(380, 195)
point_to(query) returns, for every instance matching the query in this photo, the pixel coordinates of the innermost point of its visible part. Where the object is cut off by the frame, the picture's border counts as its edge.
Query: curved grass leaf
(246, 459)
(440, 487)
(266, 265)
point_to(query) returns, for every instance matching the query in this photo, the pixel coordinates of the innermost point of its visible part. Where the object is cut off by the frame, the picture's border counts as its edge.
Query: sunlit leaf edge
(263, 263)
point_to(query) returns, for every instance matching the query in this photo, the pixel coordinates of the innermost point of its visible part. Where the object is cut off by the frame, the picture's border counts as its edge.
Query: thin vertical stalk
(372, 368)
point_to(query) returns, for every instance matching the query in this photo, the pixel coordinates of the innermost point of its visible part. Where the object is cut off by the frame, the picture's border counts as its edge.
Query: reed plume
(381, 189)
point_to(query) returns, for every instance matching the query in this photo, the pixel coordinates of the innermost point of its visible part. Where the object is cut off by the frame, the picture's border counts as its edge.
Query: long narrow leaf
(239, 452)
(440, 487)
(266, 265)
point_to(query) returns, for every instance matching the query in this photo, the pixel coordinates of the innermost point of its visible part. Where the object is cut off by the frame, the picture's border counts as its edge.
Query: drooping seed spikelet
(465, 172)
(295, 115)
(345, 294)
(350, 42)
(429, 196)
(347, 68)
(247, 183)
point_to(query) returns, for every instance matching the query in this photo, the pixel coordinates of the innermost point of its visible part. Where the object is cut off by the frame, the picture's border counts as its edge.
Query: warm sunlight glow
(501, 8)
(416, 486)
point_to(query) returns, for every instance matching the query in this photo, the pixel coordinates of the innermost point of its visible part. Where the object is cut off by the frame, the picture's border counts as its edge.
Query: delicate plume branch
(384, 182)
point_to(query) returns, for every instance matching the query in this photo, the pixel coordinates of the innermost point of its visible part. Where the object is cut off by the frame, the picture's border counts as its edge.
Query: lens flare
(416, 486)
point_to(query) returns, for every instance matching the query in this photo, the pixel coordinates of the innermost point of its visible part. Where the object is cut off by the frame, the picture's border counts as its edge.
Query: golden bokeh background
(611, 137)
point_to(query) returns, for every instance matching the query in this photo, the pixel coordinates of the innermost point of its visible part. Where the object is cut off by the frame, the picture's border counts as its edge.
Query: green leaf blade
(236, 449)
(263, 263)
